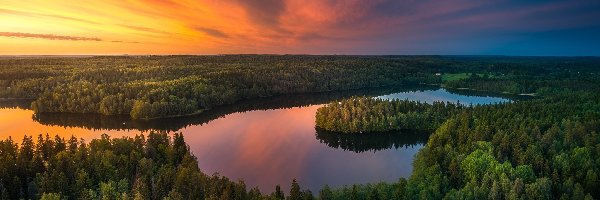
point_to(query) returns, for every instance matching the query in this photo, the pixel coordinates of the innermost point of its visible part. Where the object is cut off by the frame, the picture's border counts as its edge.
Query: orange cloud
(145, 29)
(33, 14)
(48, 36)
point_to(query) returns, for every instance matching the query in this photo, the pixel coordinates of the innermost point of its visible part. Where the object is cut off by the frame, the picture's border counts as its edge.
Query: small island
(369, 114)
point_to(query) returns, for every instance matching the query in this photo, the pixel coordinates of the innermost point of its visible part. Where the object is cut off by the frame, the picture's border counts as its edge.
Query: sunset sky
(498, 27)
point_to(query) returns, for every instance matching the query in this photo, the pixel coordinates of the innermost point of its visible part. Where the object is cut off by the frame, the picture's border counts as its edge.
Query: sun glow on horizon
(111, 27)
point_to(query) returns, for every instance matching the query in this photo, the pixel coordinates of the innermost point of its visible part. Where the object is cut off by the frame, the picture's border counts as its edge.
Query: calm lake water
(265, 142)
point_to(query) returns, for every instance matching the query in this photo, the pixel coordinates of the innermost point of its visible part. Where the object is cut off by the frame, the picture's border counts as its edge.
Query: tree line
(163, 86)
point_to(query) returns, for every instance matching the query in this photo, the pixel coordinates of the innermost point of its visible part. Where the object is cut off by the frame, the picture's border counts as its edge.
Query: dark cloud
(33, 14)
(264, 12)
(213, 32)
(413, 19)
(430, 26)
(47, 36)
(495, 27)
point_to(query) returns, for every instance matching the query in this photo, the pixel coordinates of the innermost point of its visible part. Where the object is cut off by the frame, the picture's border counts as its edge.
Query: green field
(454, 77)
(461, 76)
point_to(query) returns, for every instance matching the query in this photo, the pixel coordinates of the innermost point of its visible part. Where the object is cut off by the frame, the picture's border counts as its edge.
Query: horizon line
(274, 54)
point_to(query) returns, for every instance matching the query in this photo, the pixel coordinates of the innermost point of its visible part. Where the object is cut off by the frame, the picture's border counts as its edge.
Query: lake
(265, 141)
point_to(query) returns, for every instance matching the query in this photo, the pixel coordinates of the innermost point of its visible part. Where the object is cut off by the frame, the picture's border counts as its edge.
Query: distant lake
(265, 141)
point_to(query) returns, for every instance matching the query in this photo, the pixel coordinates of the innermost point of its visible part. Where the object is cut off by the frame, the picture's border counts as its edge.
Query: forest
(148, 87)
(545, 147)
(370, 114)
(542, 148)
(538, 149)
(154, 167)
(122, 122)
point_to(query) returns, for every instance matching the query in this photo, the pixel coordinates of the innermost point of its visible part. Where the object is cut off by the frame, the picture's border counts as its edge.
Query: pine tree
(278, 194)
(295, 193)
(326, 193)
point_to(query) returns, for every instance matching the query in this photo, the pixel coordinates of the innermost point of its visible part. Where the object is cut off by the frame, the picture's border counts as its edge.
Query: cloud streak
(47, 36)
(145, 29)
(212, 32)
(120, 41)
(34, 14)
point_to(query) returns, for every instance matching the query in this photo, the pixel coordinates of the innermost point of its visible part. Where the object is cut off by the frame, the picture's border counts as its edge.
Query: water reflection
(265, 142)
(123, 122)
(270, 147)
(17, 123)
(504, 96)
(372, 141)
(468, 97)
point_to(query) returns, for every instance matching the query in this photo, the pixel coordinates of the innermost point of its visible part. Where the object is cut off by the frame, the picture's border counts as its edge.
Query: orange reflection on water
(270, 147)
(264, 147)
(258, 142)
(17, 123)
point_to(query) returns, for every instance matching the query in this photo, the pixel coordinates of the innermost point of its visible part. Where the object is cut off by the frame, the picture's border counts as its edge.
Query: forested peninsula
(370, 114)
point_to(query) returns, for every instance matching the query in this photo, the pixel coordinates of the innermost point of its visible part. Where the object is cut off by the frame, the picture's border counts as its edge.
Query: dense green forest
(156, 167)
(479, 152)
(547, 147)
(162, 86)
(124, 122)
(369, 114)
(542, 148)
